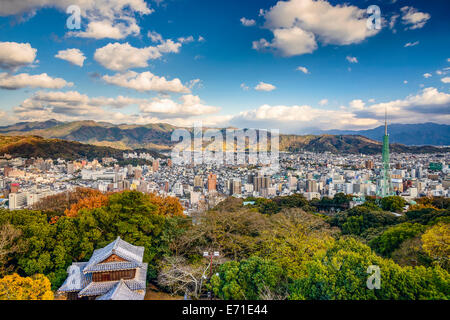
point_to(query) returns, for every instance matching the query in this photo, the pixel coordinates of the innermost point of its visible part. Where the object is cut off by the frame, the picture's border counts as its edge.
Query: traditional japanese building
(115, 272)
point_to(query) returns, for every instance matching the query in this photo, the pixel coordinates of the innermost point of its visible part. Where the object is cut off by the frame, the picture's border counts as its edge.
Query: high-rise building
(235, 187)
(155, 165)
(369, 164)
(212, 182)
(137, 173)
(311, 186)
(70, 168)
(261, 182)
(198, 181)
(17, 200)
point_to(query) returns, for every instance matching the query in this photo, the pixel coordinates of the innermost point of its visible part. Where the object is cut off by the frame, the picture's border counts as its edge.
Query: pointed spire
(385, 121)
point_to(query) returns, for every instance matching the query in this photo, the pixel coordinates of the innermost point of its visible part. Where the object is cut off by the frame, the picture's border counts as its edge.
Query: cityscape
(224, 155)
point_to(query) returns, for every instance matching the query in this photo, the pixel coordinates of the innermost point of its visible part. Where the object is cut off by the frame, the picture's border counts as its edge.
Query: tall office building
(235, 187)
(212, 182)
(311, 186)
(369, 164)
(155, 165)
(198, 181)
(261, 182)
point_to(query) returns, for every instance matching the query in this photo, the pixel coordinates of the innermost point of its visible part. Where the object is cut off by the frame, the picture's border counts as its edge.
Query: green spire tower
(385, 184)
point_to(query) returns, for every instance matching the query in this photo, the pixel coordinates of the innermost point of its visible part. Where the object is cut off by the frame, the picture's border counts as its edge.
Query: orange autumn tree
(94, 199)
(167, 206)
(15, 287)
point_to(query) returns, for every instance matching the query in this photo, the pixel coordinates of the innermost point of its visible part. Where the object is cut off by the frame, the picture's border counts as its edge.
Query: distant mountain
(29, 126)
(158, 137)
(33, 146)
(151, 136)
(347, 144)
(408, 134)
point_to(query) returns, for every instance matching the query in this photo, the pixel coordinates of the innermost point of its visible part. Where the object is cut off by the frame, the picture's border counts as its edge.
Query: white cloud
(122, 56)
(289, 41)
(414, 19)
(427, 75)
(247, 22)
(105, 29)
(74, 56)
(405, 82)
(195, 82)
(14, 55)
(262, 86)
(303, 69)
(146, 81)
(297, 25)
(72, 105)
(351, 59)
(392, 21)
(446, 80)
(323, 102)
(429, 105)
(155, 36)
(244, 87)
(114, 19)
(22, 80)
(356, 104)
(186, 39)
(190, 106)
(411, 44)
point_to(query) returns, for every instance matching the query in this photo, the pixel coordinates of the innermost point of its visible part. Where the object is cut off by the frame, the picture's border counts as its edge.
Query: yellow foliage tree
(95, 200)
(436, 243)
(167, 206)
(15, 287)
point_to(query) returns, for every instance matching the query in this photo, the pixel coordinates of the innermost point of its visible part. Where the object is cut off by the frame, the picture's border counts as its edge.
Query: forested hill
(347, 144)
(34, 146)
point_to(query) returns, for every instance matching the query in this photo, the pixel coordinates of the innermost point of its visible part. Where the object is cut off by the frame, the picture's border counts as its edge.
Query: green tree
(251, 279)
(391, 239)
(393, 203)
(341, 273)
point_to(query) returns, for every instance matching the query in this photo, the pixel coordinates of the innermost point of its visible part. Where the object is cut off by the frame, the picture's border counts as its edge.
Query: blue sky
(297, 65)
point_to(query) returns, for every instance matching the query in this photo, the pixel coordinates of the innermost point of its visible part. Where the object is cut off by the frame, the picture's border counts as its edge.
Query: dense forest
(282, 248)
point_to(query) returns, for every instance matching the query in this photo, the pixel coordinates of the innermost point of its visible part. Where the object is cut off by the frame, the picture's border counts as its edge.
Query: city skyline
(266, 64)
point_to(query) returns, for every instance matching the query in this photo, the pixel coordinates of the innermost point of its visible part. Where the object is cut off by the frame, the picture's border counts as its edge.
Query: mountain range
(158, 137)
(408, 134)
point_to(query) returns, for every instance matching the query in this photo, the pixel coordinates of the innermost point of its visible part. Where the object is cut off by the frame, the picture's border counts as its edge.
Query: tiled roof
(120, 291)
(101, 288)
(112, 266)
(118, 247)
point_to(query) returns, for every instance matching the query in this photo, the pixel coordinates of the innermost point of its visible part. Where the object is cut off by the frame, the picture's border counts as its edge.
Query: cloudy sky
(296, 65)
